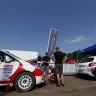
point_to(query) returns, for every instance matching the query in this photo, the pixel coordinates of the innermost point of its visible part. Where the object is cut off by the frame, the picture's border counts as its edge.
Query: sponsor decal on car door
(7, 69)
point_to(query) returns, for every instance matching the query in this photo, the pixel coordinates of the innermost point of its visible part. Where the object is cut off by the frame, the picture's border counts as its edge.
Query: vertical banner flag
(52, 41)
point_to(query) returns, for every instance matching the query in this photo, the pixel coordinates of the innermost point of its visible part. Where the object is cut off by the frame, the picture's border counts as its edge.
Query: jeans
(46, 69)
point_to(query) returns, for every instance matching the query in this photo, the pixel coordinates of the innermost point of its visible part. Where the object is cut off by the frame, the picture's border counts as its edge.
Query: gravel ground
(74, 86)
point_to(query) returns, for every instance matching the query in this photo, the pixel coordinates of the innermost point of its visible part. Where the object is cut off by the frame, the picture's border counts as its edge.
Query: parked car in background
(85, 66)
(21, 74)
(72, 61)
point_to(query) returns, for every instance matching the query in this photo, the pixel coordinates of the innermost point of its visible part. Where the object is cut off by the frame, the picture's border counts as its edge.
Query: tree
(76, 56)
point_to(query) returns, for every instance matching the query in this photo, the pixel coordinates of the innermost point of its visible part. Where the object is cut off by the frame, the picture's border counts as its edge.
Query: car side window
(8, 58)
(89, 59)
(86, 60)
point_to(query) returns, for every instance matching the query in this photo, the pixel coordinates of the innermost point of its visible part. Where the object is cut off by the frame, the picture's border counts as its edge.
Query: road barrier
(68, 68)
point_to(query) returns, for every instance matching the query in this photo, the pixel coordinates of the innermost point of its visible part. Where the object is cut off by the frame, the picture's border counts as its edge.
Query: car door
(8, 66)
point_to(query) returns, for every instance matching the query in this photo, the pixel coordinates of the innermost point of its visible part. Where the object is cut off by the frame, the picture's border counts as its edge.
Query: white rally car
(19, 73)
(85, 66)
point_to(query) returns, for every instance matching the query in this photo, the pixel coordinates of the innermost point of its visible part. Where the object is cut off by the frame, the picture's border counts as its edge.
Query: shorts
(59, 69)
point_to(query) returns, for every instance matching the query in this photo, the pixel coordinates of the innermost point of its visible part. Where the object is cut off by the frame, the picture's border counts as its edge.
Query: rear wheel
(80, 75)
(24, 82)
(94, 72)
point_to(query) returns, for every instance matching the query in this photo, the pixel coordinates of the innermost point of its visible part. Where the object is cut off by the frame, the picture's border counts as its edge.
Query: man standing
(59, 57)
(46, 60)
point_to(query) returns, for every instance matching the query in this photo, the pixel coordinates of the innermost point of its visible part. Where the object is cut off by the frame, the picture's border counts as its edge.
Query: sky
(25, 24)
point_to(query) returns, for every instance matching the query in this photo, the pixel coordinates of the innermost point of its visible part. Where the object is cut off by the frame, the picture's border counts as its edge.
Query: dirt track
(74, 86)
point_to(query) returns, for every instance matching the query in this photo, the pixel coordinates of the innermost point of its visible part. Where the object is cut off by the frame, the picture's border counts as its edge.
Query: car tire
(94, 71)
(80, 75)
(24, 82)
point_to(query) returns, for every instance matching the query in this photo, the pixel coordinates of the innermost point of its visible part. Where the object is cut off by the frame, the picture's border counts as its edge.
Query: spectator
(39, 58)
(59, 57)
(46, 60)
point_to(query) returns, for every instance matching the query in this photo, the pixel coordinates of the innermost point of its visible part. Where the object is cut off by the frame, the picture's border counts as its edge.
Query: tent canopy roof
(90, 50)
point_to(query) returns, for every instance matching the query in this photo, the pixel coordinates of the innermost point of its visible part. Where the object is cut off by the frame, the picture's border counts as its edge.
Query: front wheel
(24, 82)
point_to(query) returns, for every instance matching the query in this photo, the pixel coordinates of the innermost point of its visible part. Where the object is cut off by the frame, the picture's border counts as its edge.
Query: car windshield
(86, 60)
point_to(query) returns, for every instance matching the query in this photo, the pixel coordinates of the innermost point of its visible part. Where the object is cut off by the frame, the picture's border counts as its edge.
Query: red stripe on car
(38, 72)
(19, 70)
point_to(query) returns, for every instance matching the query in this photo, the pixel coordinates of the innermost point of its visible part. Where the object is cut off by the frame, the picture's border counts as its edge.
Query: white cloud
(76, 39)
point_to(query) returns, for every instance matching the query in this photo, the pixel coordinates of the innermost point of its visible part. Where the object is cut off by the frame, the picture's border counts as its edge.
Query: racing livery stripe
(4, 82)
(19, 70)
(37, 72)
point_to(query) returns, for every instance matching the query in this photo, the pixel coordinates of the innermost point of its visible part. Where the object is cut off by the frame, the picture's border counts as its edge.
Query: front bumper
(40, 79)
(83, 71)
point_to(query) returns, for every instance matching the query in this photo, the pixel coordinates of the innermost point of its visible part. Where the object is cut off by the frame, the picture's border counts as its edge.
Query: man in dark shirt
(59, 57)
(46, 60)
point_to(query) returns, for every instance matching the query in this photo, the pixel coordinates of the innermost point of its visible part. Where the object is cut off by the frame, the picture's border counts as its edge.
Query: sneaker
(63, 85)
(52, 81)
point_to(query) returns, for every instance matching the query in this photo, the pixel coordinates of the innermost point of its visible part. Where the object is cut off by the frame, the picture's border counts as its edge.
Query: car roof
(92, 57)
